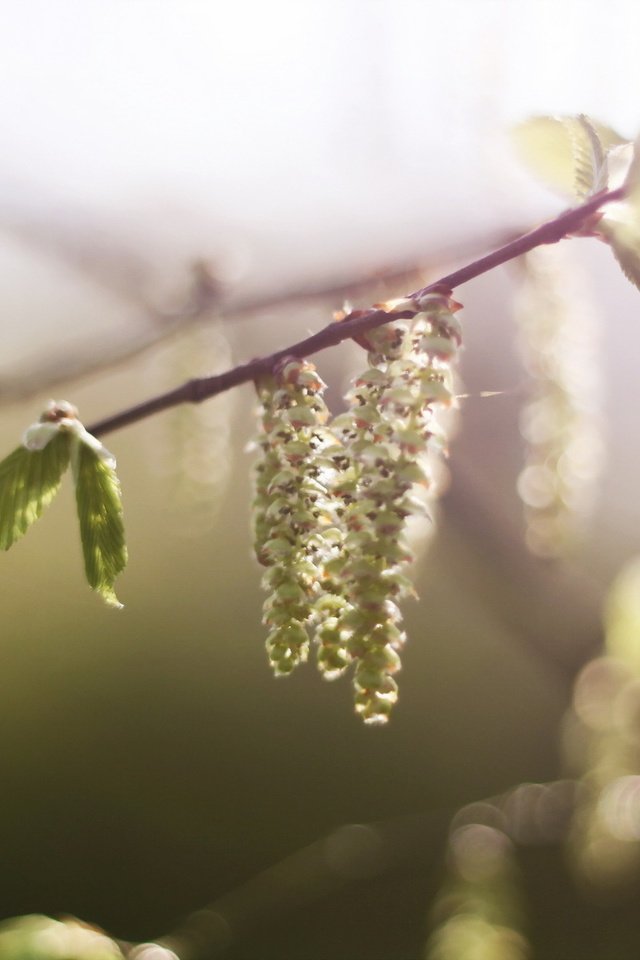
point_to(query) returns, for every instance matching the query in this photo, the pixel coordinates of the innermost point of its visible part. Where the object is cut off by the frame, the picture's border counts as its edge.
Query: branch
(355, 853)
(570, 222)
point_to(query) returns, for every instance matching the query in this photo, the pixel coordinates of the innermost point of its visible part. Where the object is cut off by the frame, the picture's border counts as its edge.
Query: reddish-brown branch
(194, 391)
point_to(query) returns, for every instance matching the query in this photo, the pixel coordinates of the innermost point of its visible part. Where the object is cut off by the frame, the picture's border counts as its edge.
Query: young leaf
(589, 157)
(100, 515)
(569, 154)
(29, 480)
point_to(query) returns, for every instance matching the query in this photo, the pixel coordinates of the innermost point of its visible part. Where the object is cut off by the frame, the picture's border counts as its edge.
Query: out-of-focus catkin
(605, 721)
(561, 423)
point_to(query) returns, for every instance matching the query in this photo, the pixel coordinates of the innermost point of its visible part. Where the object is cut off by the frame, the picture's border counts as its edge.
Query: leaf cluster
(31, 476)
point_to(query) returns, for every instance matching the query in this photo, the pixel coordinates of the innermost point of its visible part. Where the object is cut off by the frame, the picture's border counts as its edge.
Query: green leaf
(589, 157)
(568, 153)
(100, 515)
(29, 480)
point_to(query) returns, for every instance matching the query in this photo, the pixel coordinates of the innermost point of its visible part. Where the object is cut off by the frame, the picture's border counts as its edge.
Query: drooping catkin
(292, 507)
(389, 434)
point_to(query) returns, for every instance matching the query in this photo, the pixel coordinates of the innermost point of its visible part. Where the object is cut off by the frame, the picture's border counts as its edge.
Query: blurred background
(186, 186)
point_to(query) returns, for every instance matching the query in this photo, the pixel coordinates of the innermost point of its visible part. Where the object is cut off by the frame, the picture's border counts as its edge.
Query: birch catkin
(333, 498)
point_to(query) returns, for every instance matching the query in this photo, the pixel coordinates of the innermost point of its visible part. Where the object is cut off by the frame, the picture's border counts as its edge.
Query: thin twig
(197, 390)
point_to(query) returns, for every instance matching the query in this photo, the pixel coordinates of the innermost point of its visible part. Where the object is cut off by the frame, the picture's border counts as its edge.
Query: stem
(197, 390)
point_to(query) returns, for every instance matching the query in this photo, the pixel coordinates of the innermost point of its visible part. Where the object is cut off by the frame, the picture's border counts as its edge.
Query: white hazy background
(282, 143)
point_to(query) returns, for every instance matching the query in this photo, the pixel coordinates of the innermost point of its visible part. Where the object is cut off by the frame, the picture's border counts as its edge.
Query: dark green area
(151, 764)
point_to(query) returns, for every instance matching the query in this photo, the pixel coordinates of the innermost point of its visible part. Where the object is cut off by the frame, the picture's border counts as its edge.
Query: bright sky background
(282, 142)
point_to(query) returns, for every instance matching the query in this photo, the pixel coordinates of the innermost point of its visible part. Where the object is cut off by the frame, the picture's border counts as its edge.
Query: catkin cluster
(334, 497)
